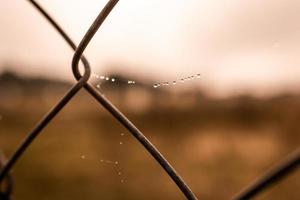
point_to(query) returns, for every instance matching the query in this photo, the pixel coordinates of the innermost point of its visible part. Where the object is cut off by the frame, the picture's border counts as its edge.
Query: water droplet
(98, 86)
(113, 80)
(177, 81)
(116, 162)
(133, 82)
(122, 134)
(121, 143)
(82, 156)
(119, 173)
(122, 181)
(102, 77)
(107, 78)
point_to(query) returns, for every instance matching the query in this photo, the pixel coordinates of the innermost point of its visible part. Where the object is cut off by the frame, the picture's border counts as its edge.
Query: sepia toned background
(220, 131)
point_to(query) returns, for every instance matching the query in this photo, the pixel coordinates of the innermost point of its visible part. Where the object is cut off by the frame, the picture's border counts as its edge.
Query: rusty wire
(271, 177)
(277, 173)
(82, 82)
(6, 187)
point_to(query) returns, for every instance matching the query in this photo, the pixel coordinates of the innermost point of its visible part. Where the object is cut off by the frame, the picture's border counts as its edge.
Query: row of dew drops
(116, 164)
(175, 82)
(111, 79)
(156, 85)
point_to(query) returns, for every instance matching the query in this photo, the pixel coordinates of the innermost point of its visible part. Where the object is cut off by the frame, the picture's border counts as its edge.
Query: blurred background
(213, 84)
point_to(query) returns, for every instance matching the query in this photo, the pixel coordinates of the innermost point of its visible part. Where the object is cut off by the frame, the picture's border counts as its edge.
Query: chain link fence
(276, 174)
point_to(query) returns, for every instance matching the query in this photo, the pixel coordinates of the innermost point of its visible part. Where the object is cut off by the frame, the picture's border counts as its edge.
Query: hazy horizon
(237, 46)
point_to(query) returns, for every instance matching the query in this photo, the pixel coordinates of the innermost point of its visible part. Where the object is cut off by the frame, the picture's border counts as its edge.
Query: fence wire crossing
(274, 175)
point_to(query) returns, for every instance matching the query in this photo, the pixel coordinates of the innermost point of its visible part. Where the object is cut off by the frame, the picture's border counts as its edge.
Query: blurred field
(218, 146)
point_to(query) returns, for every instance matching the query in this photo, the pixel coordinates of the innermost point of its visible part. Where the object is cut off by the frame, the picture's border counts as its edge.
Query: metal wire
(274, 175)
(111, 108)
(7, 187)
(101, 99)
(41, 125)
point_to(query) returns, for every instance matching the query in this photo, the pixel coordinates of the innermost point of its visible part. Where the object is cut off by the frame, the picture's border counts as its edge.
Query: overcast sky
(236, 45)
